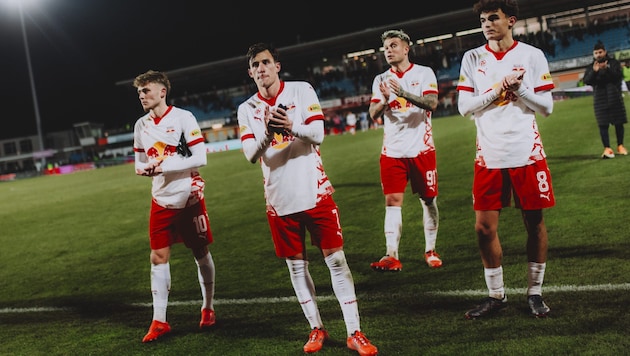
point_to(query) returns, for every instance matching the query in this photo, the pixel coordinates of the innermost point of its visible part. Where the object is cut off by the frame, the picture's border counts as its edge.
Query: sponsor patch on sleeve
(314, 108)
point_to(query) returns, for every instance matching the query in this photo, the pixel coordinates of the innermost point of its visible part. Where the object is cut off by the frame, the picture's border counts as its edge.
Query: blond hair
(396, 34)
(152, 76)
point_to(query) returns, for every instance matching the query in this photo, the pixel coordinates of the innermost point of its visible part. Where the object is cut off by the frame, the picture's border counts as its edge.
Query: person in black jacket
(605, 76)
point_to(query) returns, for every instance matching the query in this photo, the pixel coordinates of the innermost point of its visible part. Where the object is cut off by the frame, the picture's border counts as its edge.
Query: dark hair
(509, 7)
(599, 45)
(256, 48)
(152, 76)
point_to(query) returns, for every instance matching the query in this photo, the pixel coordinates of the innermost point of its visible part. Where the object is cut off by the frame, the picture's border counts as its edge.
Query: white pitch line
(469, 292)
(561, 288)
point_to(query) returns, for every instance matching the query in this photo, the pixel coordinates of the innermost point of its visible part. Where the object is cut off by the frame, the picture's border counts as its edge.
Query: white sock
(430, 221)
(393, 229)
(205, 272)
(343, 286)
(305, 291)
(494, 281)
(160, 287)
(535, 277)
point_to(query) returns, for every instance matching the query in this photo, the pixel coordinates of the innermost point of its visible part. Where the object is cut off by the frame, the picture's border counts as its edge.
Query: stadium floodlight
(435, 38)
(468, 32)
(360, 53)
(21, 6)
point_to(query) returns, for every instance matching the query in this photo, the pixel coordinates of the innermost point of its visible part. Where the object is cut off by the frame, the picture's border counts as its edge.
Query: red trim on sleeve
(544, 88)
(313, 118)
(194, 142)
(247, 136)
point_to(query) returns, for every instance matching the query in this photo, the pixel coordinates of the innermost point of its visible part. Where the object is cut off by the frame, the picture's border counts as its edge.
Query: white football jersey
(293, 172)
(156, 140)
(407, 128)
(507, 132)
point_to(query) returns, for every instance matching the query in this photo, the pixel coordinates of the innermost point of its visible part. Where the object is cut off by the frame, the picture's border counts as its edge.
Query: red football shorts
(420, 172)
(289, 232)
(529, 185)
(189, 225)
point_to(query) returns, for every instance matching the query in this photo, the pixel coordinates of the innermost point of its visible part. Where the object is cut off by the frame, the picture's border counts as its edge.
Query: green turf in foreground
(77, 245)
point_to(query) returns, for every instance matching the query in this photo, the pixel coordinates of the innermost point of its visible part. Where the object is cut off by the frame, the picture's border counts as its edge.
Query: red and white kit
(404, 123)
(156, 139)
(292, 164)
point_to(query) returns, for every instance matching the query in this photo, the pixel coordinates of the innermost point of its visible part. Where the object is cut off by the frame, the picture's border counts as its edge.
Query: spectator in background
(405, 96)
(337, 123)
(286, 142)
(364, 120)
(351, 122)
(605, 76)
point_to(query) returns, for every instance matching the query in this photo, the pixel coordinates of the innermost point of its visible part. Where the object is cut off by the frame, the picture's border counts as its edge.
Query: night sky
(80, 48)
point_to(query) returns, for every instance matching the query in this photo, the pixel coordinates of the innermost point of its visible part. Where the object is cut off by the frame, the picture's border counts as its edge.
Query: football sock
(430, 221)
(494, 281)
(393, 228)
(535, 277)
(343, 286)
(206, 274)
(160, 287)
(305, 291)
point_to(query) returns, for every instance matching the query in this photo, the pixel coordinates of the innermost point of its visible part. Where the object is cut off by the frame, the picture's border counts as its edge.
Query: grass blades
(74, 262)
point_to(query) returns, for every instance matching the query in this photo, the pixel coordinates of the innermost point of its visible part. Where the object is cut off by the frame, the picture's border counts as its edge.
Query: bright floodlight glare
(25, 4)
(22, 7)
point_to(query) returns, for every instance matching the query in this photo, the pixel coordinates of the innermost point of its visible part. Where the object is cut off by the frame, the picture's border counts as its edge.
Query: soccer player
(169, 148)
(282, 126)
(502, 85)
(404, 96)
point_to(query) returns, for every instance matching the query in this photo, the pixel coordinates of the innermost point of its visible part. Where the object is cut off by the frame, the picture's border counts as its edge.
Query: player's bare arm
(377, 109)
(427, 102)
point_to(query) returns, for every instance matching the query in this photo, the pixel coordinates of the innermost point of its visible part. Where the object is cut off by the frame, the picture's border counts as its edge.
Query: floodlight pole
(38, 121)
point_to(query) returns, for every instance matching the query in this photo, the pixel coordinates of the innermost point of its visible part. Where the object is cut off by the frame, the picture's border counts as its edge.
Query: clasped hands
(277, 120)
(151, 169)
(391, 86)
(512, 81)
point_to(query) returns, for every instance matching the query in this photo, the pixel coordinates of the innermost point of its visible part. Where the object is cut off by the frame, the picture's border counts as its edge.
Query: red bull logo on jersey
(546, 76)
(161, 150)
(400, 104)
(281, 141)
(505, 98)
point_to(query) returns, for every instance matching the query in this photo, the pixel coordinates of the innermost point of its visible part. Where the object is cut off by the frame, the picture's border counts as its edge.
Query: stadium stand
(341, 69)
(564, 34)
